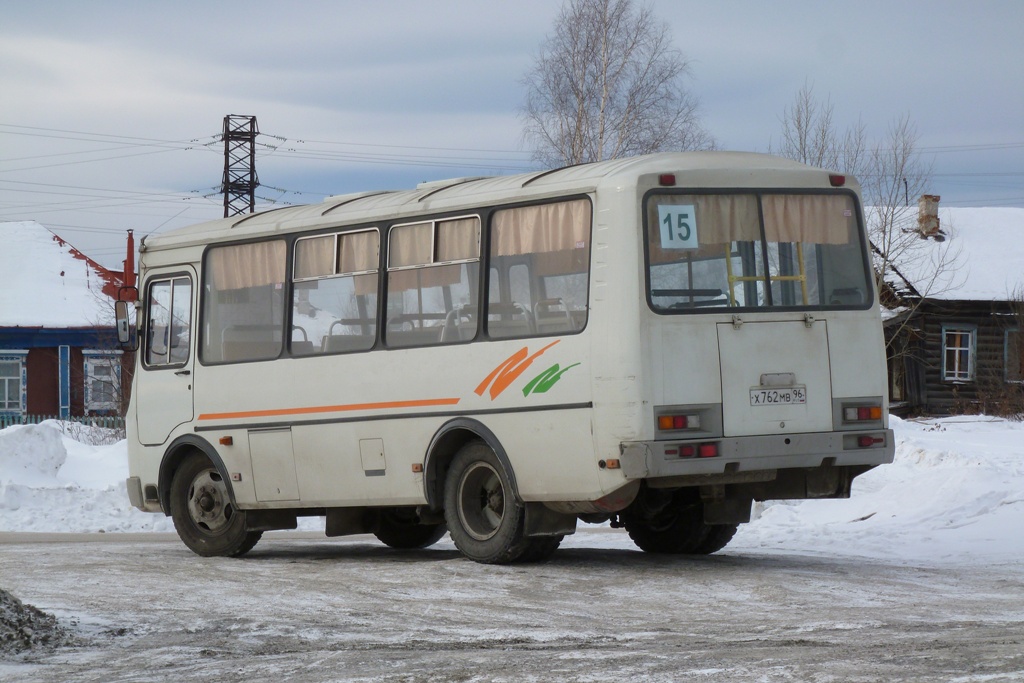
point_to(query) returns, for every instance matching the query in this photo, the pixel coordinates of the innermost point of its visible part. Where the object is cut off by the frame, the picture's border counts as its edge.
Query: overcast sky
(110, 111)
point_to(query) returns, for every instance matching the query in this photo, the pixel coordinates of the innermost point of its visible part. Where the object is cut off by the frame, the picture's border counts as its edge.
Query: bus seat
(509, 320)
(338, 343)
(552, 315)
(250, 342)
(302, 348)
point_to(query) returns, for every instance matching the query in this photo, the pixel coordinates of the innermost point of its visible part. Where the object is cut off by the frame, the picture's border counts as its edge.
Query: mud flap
(543, 521)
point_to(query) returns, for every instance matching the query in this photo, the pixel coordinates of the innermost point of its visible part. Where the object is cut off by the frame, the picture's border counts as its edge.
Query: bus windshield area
(754, 251)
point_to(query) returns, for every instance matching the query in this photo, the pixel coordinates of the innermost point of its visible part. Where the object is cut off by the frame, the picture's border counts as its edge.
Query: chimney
(928, 217)
(129, 263)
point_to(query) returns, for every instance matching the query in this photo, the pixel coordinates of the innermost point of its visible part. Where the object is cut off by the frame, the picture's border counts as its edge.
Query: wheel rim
(481, 501)
(209, 506)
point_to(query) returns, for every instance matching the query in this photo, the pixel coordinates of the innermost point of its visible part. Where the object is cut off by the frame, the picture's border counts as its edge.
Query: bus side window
(243, 306)
(545, 250)
(334, 293)
(433, 271)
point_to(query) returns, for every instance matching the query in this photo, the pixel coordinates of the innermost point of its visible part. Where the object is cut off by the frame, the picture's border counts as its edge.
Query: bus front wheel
(485, 520)
(204, 515)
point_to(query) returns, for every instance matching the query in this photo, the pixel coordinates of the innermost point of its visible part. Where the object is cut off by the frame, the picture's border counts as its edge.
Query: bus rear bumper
(744, 456)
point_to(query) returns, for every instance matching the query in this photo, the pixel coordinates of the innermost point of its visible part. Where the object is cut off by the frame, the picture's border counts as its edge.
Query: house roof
(980, 260)
(49, 283)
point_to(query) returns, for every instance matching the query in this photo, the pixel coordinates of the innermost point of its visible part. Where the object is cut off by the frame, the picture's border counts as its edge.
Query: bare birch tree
(607, 84)
(893, 176)
(810, 137)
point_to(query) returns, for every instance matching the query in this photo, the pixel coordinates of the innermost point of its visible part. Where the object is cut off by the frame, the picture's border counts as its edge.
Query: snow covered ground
(955, 493)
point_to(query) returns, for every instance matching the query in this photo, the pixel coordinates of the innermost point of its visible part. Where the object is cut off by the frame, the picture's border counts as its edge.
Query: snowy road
(305, 608)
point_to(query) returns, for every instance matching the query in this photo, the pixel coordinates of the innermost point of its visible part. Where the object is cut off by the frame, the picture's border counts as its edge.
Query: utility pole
(240, 180)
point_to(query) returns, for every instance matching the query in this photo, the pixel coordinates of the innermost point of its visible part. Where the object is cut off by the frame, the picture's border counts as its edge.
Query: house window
(958, 350)
(102, 381)
(12, 382)
(1014, 362)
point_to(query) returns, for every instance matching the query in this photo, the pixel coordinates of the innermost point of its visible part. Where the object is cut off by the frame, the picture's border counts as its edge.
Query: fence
(104, 421)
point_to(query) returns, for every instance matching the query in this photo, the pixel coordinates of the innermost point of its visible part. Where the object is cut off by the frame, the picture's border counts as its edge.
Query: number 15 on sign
(678, 226)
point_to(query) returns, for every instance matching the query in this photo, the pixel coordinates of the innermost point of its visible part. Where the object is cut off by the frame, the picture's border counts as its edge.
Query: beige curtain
(719, 220)
(410, 245)
(563, 226)
(247, 265)
(458, 240)
(807, 218)
(314, 257)
(359, 251)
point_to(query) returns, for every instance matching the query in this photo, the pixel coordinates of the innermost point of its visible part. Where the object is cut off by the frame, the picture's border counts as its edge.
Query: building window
(958, 350)
(12, 382)
(102, 381)
(1014, 361)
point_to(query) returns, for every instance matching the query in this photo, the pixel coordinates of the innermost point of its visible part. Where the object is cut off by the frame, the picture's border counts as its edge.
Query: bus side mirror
(122, 317)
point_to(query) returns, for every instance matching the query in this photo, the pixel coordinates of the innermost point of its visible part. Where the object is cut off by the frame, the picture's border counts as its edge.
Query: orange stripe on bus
(385, 405)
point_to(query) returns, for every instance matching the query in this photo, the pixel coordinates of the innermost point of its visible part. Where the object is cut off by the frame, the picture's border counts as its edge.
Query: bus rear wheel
(401, 530)
(485, 520)
(676, 528)
(204, 515)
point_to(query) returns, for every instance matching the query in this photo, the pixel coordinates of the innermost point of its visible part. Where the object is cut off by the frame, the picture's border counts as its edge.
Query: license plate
(775, 396)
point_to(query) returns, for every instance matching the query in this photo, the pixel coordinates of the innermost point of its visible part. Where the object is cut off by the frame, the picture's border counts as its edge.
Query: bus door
(776, 377)
(163, 387)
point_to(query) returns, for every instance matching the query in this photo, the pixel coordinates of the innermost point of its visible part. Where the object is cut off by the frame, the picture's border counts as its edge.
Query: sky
(110, 112)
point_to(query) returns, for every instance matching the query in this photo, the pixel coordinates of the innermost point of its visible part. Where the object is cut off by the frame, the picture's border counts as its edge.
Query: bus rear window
(754, 251)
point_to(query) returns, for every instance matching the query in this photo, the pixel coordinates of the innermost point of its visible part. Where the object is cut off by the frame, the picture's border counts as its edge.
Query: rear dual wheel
(678, 528)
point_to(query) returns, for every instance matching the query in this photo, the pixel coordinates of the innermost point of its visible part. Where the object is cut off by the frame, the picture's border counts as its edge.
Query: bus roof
(692, 169)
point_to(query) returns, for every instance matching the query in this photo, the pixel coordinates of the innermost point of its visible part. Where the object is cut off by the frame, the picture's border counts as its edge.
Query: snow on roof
(984, 250)
(49, 283)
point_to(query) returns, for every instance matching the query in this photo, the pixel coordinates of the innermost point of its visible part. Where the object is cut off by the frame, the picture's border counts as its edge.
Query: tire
(204, 515)
(400, 530)
(540, 548)
(676, 529)
(718, 537)
(485, 520)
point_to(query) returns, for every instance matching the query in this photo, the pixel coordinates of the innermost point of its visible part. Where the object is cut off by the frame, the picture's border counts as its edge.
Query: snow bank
(51, 482)
(954, 493)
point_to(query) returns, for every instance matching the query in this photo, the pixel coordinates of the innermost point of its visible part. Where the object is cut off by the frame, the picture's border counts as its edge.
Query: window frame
(204, 293)
(292, 280)
(957, 376)
(760, 251)
(20, 357)
(147, 320)
(477, 215)
(90, 359)
(533, 279)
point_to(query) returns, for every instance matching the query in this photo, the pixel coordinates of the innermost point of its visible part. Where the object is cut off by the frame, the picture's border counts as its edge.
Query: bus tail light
(670, 423)
(862, 413)
(708, 450)
(836, 180)
(691, 450)
(868, 441)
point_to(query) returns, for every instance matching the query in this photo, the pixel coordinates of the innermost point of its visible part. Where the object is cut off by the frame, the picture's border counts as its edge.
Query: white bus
(654, 342)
